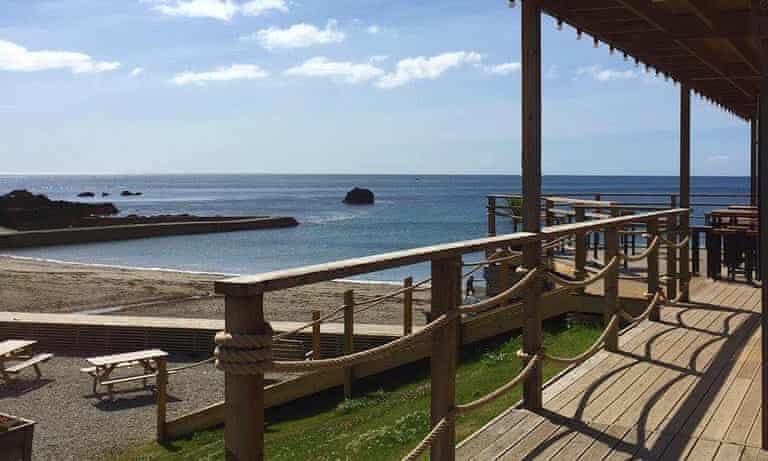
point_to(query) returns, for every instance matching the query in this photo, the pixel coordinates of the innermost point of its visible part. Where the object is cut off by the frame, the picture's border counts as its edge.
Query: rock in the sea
(24, 210)
(105, 194)
(359, 196)
(127, 193)
(86, 194)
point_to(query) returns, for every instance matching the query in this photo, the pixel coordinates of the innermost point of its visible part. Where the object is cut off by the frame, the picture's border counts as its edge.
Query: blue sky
(325, 86)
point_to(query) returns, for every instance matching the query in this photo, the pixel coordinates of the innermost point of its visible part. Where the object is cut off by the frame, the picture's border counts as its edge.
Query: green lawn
(390, 414)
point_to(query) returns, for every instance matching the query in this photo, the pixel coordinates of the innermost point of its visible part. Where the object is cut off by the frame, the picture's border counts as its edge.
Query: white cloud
(223, 10)
(373, 29)
(17, 58)
(552, 72)
(233, 72)
(378, 58)
(421, 68)
(259, 7)
(297, 36)
(347, 72)
(604, 75)
(504, 69)
(137, 71)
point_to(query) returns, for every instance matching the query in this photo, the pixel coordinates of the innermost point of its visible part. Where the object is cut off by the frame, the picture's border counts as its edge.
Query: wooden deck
(687, 387)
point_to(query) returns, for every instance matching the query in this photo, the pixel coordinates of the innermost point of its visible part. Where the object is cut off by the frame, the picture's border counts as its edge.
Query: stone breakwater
(78, 235)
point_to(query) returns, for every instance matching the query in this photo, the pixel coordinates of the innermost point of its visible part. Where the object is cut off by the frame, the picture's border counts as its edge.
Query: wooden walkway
(687, 387)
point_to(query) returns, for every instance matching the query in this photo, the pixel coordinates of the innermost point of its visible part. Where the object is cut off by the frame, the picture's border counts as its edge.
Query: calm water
(410, 211)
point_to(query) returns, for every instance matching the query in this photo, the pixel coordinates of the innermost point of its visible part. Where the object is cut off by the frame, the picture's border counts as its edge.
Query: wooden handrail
(280, 280)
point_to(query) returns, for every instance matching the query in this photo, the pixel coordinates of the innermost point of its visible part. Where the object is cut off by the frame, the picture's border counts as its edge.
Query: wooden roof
(706, 44)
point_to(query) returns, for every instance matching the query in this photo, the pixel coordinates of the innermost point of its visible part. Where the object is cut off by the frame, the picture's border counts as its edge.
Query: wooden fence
(244, 350)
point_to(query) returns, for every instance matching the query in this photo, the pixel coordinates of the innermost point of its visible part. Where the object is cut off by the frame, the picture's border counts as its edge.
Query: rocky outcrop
(86, 194)
(359, 196)
(23, 210)
(127, 193)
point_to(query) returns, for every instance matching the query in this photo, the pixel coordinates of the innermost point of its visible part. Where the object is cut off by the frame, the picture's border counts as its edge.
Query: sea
(410, 211)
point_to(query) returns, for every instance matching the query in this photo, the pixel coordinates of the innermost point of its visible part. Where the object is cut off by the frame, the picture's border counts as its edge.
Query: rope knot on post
(244, 354)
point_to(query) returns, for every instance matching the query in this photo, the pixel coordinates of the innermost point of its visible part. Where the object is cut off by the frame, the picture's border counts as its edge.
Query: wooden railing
(244, 349)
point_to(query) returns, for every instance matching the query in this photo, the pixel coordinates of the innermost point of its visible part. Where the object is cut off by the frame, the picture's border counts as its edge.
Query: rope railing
(680, 244)
(516, 257)
(646, 313)
(640, 256)
(334, 314)
(586, 282)
(252, 354)
(427, 442)
(593, 349)
(501, 391)
(493, 301)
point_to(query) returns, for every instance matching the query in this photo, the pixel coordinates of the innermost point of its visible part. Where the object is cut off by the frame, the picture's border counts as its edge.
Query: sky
(327, 86)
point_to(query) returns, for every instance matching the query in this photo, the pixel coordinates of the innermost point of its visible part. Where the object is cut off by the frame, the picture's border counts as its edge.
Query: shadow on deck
(687, 387)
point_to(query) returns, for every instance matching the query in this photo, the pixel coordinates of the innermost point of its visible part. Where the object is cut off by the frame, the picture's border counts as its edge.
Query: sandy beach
(30, 285)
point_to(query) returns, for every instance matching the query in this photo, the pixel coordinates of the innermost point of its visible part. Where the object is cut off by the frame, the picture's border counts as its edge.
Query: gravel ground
(73, 424)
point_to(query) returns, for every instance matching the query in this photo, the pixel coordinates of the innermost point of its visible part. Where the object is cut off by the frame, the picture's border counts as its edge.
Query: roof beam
(666, 23)
(703, 9)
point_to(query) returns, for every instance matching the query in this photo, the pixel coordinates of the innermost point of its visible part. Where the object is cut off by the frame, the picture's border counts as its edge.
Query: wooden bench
(34, 362)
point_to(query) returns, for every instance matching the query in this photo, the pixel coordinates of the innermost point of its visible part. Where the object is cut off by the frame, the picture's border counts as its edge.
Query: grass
(389, 415)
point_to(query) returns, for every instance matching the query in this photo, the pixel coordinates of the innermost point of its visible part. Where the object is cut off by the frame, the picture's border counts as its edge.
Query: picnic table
(15, 356)
(102, 367)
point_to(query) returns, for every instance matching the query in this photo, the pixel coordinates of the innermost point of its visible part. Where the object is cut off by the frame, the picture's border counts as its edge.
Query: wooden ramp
(687, 387)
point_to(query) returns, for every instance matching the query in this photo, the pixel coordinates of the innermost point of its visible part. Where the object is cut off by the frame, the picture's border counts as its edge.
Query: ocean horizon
(411, 210)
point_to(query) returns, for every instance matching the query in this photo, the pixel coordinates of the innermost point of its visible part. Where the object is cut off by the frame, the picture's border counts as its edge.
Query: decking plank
(687, 387)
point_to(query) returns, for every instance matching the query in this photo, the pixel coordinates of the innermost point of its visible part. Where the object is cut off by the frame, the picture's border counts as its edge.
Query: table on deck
(733, 237)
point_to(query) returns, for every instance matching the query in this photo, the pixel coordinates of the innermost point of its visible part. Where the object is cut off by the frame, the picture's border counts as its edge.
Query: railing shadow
(682, 423)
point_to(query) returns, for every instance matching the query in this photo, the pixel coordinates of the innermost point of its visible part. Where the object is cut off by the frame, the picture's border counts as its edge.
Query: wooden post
(753, 163)
(596, 234)
(349, 339)
(580, 258)
(244, 394)
(162, 397)
(653, 268)
(611, 288)
(503, 275)
(531, 182)
(760, 38)
(672, 252)
(408, 307)
(492, 216)
(446, 286)
(549, 220)
(685, 188)
(316, 352)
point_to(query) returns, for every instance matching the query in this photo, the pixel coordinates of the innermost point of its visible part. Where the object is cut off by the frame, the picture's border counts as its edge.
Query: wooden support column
(446, 289)
(531, 172)
(316, 352)
(349, 339)
(580, 258)
(753, 163)
(408, 307)
(653, 268)
(672, 274)
(491, 216)
(611, 288)
(760, 38)
(162, 397)
(244, 394)
(685, 189)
